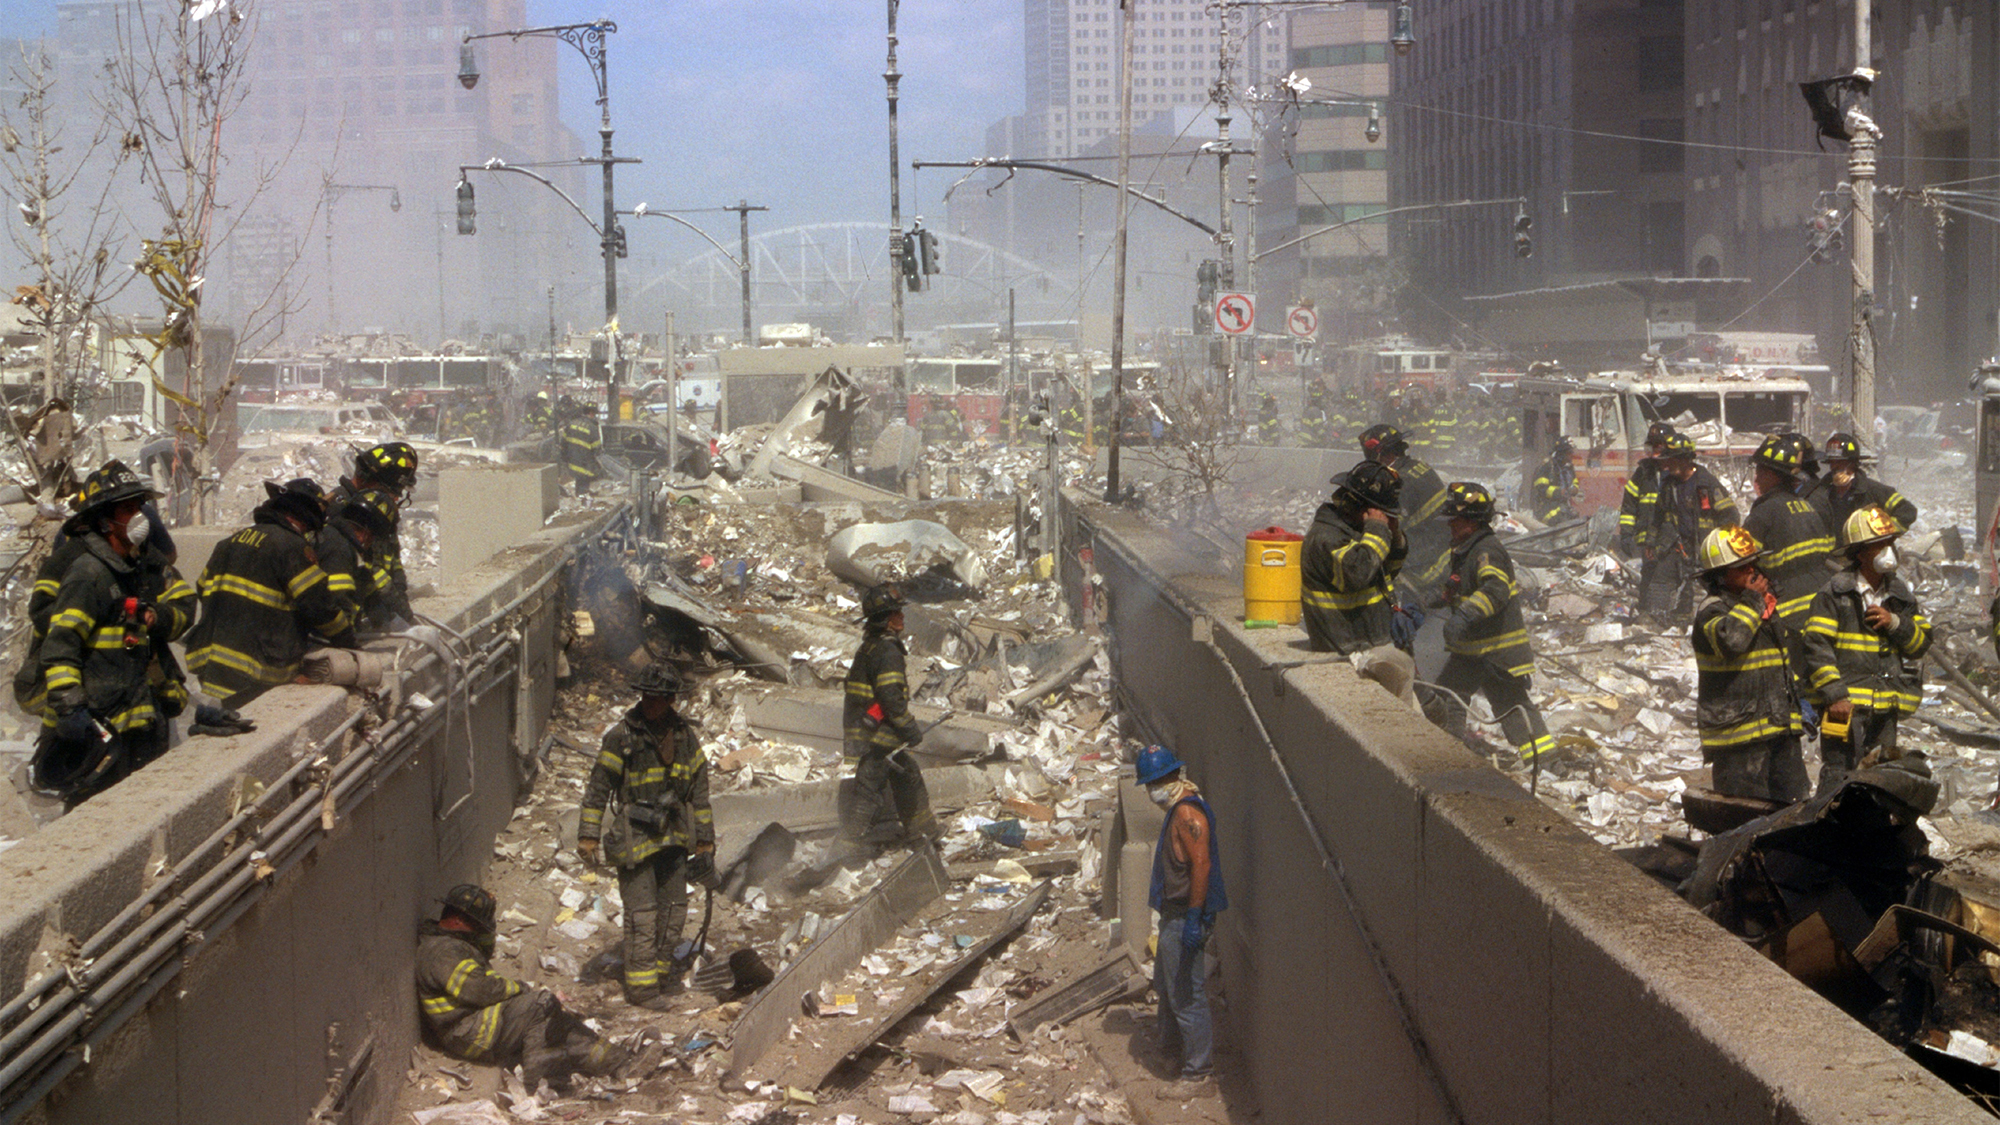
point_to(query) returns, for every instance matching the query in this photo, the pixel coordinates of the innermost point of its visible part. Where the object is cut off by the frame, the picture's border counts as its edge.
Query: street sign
(1302, 353)
(1302, 321)
(1235, 313)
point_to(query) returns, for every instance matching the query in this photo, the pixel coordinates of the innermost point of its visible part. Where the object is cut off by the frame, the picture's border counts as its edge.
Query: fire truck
(1606, 416)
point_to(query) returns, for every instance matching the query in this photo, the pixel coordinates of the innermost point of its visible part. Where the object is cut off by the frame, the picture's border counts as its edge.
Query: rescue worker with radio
(1747, 708)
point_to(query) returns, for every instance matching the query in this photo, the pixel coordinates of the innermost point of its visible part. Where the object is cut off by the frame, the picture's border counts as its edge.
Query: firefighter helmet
(1373, 484)
(1842, 447)
(1382, 439)
(1155, 762)
(1659, 432)
(1465, 500)
(1780, 454)
(1808, 456)
(881, 601)
(111, 483)
(302, 497)
(373, 509)
(1864, 526)
(473, 903)
(661, 677)
(1726, 547)
(394, 463)
(1678, 447)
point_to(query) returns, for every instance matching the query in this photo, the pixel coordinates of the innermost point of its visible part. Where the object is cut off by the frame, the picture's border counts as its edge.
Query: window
(1316, 216)
(1343, 160)
(1341, 54)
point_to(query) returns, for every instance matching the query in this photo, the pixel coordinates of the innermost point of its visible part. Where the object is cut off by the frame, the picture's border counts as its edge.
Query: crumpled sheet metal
(870, 553)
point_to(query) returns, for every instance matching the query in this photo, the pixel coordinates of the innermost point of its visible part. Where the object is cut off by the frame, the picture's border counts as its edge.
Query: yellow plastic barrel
(1271, 577)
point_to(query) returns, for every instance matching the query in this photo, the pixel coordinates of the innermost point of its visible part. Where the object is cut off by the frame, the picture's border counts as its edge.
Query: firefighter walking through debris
(1484, 629)
(886, 801)
(645, 810)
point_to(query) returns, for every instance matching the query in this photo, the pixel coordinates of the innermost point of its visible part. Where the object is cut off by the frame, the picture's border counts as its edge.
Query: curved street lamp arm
(497, 166)
(733, 259)
(1072, 173)
(1514, 199)
(587, 38)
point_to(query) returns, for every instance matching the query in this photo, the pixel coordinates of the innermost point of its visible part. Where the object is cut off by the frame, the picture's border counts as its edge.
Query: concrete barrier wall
(264, 1011)
(1549, 980)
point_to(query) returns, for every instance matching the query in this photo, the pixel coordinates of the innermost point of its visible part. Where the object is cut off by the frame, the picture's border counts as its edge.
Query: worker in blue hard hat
(1187, 891)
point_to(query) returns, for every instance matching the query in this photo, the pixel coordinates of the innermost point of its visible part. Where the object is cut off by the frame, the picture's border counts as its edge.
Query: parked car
(640, 446)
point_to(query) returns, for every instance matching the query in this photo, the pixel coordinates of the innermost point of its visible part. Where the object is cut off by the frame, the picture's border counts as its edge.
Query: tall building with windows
(1072, 57)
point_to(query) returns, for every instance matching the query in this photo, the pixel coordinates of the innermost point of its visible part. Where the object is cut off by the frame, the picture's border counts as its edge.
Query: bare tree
(1196, 447)
(68, 235)
(179, 75)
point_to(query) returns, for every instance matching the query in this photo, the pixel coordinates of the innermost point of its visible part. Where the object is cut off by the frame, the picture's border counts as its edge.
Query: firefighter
(348, 552)
(538, 418)
(263, 599)
(1692, 503)
(475, 421)
(1554, 487)
(1846, 489)
(98, 669)
(1484, 629)
(886, 802)
(1267, 419)
(645, 809)
(1423, 495)
(1352, 555)
(1864, 639)
(1642, 495)
(580, 442)
(389, 468)
(1795, 543)
(1314, 420)
(1746, 708)
(473, 1013)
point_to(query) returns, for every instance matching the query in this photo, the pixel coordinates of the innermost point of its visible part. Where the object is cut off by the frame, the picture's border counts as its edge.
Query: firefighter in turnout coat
(1692, 503)
(1642, 494)
(886, 801)
(389, 469)
(1846, 489)
(263, 599)
(1746, 707)
(1865, 639)
(471, 1012)
(1484, 629)
(1796, 544)
(1422, 496)
(1348, 566)
(645, 810)
(348, 553)
(98, 670)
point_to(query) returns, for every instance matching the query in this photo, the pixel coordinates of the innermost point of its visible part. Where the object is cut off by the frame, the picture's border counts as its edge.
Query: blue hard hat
(1156, 762)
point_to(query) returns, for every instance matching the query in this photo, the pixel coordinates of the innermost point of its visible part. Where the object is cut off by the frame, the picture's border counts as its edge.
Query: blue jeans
(1179, 978)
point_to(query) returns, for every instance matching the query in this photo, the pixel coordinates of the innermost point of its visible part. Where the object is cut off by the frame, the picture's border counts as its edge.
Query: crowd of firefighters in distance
(1801, 619)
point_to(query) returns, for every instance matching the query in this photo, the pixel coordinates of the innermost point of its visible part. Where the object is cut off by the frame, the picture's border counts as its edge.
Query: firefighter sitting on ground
(1865, 638)
(1746, 708)
(473, 1013)
(647, 801)
(264, 599)
(1483, 625)
(886, 802)
(1554, 490)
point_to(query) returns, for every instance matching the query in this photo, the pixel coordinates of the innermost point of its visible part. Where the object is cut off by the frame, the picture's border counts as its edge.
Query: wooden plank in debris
(843, 1039)
(1713, 813)
(1113, 979)
(910, 887)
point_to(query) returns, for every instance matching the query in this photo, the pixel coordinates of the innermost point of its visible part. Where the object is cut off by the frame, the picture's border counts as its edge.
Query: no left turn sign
(1235, 313)
(1302, 321)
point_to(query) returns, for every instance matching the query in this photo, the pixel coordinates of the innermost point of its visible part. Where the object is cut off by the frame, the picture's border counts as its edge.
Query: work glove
(220, 721)
(588, 849)
(1458, 621)
(1194, 931)
(76, 726)
(701, 869)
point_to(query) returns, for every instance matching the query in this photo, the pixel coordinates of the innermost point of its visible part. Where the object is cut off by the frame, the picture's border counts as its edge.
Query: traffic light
(906, 249)
(927, 245)
(468, 218)
(1823, 235)
(1524, 246)
(1207, 285)
(618, 240)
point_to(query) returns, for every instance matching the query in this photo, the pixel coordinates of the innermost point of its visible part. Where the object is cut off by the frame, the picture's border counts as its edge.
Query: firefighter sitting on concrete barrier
(1747, 708)
(1349, 564)
(264, 598)
(1484, 629)
(647, 802)
(389, 468)
(103, 611)
(886, 802)
(1865, 638)
(1796, 545)
(473, 1013)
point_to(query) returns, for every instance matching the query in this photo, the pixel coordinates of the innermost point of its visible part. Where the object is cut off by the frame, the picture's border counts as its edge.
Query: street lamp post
(898, 245)
(331, 193)
(588, 39)
(742, 263)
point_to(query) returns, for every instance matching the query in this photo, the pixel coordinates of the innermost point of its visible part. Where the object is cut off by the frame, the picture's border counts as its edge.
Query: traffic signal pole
(897, 246)
(1128, 34)
(1861, 174)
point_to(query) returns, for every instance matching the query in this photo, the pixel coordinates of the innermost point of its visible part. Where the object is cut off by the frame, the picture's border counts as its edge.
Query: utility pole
(897, 247)
(1013, 371)
(674, 389)
(1225, 237)
(743, 210)
(1861, 174)
(552, 348)
(1250, 263)
(1127, 35)
(1089, 404)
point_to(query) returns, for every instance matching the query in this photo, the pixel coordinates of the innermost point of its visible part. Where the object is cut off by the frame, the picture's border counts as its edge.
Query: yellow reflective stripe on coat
(1328, 599)
(236, 661)
(1485, 645)
(1751, 661)
(439, 1005)
(305, 580)
(489, 1029)
(1740, 734)
(263, 595)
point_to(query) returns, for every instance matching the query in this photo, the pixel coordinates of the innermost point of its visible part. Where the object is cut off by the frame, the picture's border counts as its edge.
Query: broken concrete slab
(1109, 981)
(816, 483)
(813, 806)
(812, 717)
(871, 553)
(914, 884)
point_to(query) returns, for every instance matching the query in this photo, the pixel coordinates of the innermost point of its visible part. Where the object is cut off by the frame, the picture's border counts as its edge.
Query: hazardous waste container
(1271, 577)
